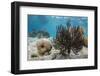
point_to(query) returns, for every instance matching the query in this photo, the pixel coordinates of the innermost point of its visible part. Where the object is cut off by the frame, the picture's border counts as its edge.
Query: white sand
(32, 49)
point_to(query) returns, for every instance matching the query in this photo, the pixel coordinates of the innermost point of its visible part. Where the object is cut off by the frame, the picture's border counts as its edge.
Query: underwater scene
(52, 37)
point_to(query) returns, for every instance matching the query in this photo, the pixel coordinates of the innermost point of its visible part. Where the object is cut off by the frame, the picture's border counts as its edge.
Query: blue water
(49, 23)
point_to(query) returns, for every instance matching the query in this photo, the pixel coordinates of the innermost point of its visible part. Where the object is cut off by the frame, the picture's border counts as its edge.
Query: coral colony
(69, 42)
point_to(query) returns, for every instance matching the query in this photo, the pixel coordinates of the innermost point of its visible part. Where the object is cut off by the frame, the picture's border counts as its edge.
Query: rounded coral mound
(44, 46)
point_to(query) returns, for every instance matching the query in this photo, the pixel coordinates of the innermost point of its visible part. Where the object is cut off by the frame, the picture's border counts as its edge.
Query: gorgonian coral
(69, 38)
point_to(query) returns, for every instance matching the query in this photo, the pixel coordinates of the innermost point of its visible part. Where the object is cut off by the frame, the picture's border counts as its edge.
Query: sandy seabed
(54, 55)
